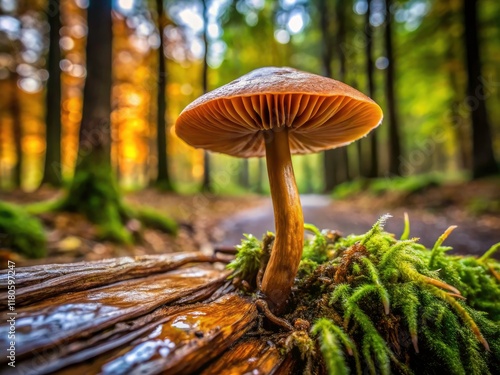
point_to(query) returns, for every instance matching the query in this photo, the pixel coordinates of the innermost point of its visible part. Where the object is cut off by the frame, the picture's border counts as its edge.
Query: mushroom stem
(289, 222)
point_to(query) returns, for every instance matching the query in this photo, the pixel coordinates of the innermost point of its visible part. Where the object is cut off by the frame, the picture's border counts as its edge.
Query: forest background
(415, 60)
(89, 93)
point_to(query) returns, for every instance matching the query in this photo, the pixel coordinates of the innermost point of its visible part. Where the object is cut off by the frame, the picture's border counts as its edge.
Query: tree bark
(371, 170)
(163, 176)
(244, 174)
(260, 178)
(394, 141)
(95, 129)
(483, 157)
(341, 154)
(18, 132)
(206, 185)
(94, 190)
(1, 151)
(329, 156)
(455, 66)
(52, 170)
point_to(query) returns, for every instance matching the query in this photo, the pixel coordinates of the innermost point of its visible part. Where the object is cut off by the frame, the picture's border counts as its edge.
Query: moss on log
(360, 304)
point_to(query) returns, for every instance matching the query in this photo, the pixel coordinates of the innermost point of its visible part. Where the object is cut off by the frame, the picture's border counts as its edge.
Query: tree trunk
(1, 151)
(260, 178)
(341, 154)
(329, 156)
(95, 128)
(94, 191)
(163, 176)
(52, 170)
(308, 173)
(394, 141)
(455, 66)
(206, 185)
(483, 157)
(244, 174)
(371, 170)
(17, 125)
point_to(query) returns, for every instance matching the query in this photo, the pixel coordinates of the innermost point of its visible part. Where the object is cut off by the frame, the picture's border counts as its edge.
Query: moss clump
(21, 232)
(381, 305)
(248, 259)
(95, 194)
(153, 219)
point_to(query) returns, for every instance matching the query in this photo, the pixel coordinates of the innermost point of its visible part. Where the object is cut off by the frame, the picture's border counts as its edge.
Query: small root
(229, 250)
(264, 308)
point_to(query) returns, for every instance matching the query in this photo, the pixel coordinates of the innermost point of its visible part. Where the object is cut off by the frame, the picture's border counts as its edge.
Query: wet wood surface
(161, 315)
(59, 320)
(39, 282)
(185, 341)
(253, 356)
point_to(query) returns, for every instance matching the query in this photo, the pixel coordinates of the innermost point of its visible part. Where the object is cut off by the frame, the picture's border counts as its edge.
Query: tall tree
(17, 124)
(244, 177)
(334, 161)
(454, 68)
(94, 191)
(95, 129)
(52, 172)
(342, 160)
(206, 183)
(371, 170)
(483, 157)
(1, 150)
(260, 176)
(163, 176)
(394, 141)
(329, 158)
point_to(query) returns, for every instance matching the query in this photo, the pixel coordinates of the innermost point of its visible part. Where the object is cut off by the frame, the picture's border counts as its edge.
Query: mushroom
(277, 112)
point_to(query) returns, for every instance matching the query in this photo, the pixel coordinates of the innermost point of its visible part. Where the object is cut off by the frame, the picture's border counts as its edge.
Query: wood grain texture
(253, 356)
(66, 317)
(39, 282)
(182, 344)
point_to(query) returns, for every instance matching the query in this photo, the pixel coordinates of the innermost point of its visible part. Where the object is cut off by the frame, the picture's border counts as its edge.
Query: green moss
(379, 186)
(21, 232)
(248, 259)
(95, 194)
(154, 219)
(333, 342)
(380, 305)
(317, 248)
(350, 188)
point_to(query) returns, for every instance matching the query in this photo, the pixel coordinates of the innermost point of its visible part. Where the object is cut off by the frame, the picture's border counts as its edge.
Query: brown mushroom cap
(321, 113)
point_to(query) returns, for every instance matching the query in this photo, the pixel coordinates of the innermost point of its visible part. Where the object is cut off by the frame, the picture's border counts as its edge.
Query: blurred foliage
(244, 35)
(379, 186)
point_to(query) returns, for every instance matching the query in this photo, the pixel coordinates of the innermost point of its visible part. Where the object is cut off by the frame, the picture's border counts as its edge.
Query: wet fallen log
(113, 317)
(38, 282)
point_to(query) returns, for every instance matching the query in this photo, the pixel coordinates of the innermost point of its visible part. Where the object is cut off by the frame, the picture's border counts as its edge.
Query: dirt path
(473, 236)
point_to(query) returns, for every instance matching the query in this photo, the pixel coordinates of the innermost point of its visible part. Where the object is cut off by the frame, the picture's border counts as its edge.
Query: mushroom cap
(237, 118)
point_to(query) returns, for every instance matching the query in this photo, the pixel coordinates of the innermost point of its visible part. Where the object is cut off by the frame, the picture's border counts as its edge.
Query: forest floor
(207, 221)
